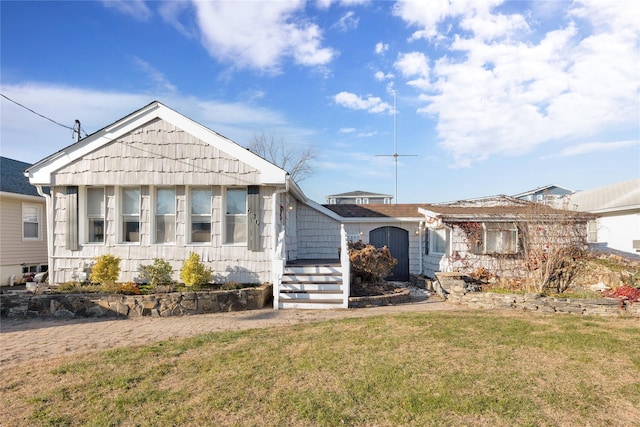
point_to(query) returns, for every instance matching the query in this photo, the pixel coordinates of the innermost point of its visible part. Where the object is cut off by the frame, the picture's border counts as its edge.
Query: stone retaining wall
(457, 291)
(157, 305)
(400, 297)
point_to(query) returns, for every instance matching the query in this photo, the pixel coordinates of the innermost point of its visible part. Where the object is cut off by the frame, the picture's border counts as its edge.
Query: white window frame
(165, 216)
(592, 231)
(358, 200)
(332, 201)
(200, 215)
(123, 215)
(38, 222)
(500, 227)
(387, 200)
(84, 207)
(437, 232)
(365, 200)
(235, 217)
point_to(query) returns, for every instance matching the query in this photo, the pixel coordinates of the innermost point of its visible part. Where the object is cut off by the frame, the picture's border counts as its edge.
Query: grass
(440, 369)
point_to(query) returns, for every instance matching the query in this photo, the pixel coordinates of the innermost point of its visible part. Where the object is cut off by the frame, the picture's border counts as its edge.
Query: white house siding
(14, 251)
(609, 231)
(159, 154)
(318, 236)
(362, 229)
(288, 209)
(229, 263)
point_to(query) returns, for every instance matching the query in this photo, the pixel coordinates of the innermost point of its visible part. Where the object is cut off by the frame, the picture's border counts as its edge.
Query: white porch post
(346, 267)
(278, 247)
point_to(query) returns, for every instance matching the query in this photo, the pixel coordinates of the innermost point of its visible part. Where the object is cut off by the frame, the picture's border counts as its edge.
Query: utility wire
(38, 114)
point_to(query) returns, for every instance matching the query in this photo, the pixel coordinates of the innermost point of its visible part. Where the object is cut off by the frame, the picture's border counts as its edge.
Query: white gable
(41, 172)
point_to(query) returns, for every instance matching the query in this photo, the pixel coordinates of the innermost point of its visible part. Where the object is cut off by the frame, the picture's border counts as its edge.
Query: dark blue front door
(397, 240)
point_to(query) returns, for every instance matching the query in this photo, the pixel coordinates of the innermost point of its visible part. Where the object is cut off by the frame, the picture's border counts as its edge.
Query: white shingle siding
(318, 236)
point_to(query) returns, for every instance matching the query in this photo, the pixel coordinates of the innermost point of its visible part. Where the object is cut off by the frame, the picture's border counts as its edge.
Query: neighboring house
(458, 236)
(617, 206)
(544, 194)
(156, 184)
(359, 198)
(23, 231)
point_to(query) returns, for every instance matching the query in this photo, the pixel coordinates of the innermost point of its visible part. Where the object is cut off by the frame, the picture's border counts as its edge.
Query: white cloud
(347, 130)
(595, 147)
(381, 48)
(260, 34)
(414, 65)
(137, 9)
(380, 76)
(158, 79)
(371, 104)
(493, 92)
(348, 21)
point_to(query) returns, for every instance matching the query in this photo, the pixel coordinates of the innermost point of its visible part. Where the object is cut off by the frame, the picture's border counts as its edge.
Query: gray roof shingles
(12, 179)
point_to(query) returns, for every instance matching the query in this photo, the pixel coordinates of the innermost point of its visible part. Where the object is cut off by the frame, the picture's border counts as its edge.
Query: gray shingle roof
(12, 179)
(614, 197)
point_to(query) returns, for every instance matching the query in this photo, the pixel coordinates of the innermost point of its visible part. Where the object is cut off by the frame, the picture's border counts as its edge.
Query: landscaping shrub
(128, 288)
(157, 274)
(370, 263)
(194, 272)
(106, 269)
(624, 293)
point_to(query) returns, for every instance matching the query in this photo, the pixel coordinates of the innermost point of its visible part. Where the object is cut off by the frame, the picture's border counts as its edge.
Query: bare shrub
(371, 263)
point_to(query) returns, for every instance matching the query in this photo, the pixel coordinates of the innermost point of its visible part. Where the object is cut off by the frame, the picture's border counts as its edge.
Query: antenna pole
(77, 131)
(395, 141)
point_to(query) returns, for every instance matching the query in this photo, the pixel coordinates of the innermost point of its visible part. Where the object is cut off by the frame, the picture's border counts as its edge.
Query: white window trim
(223, 232)
(190, 216)
(484, 241)
(84, 215)
(447, 239)
(39, 222)
(154, 214)
(121, 239)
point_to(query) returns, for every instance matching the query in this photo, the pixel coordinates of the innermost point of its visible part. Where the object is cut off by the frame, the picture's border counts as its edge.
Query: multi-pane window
(31, 222)
(95, 214)
(165, 215)
(500, 238)
(235, 216)
(200, 215)
(130, 214)
(438, 241)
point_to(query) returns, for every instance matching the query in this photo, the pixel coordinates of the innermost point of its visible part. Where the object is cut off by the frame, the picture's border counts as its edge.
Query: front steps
(312, 285)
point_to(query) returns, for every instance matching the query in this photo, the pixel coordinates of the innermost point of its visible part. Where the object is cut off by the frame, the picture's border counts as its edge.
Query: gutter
(49, 214)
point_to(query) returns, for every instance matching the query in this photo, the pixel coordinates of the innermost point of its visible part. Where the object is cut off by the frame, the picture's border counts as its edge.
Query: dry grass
(441, 369)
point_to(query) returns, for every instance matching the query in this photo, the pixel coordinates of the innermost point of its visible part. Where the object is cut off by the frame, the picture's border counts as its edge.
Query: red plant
(624, 293)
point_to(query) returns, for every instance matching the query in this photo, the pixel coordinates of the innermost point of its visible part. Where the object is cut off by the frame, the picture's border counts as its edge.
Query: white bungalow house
(23, 247)
(156, 184)
(456, 236)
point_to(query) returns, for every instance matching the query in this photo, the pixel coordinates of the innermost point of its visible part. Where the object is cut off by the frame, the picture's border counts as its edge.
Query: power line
(38, 114)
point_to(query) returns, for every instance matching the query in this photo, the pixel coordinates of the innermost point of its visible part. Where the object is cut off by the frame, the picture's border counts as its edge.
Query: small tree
(105, 270)
(157, 274)
(371, 263)
(194, 272)
(294, 159)
(554, 244)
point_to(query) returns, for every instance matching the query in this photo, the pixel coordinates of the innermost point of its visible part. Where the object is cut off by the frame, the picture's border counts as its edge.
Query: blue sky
(493, 97)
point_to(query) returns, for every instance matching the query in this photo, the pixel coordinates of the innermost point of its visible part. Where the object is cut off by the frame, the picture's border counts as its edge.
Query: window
(438, 240)
(358, 201)
(31, 222)
(592, 232)
(387, 201)
(200, 215)
(332, 201)
(500, 238)
(236, 216)
(365, 200)
(130, 214)
(165, 215)
(95, 214)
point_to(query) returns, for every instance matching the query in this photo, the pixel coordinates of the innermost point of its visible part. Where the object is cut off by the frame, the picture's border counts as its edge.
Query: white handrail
(346, 267)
